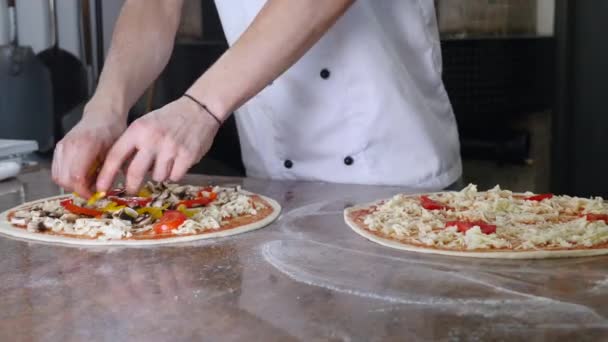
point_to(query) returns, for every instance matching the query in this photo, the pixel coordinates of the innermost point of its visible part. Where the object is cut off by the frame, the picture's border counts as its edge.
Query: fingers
(137, 170)
(80, 174)
(82, 188)
(70, 170)
(121, 150)
(164, 162)
(182, 164)
(55, 168)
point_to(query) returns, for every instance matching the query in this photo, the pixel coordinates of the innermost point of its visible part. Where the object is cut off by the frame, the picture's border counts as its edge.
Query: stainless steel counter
(305, 277)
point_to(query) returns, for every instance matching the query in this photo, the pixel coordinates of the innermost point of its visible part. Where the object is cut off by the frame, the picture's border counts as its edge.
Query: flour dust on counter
(421, 283)
(496, 223)
(160, 213)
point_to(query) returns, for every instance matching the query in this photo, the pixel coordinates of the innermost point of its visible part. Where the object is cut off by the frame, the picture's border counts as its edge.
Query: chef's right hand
(79, 154)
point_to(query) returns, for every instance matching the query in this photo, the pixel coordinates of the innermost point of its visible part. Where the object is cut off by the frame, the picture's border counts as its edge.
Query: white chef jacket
(364, 105)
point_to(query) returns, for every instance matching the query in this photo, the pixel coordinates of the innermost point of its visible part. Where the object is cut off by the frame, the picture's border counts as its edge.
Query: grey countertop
(305, 277)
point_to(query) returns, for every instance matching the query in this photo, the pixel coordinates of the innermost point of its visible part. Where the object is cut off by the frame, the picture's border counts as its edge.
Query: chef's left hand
(169, 140)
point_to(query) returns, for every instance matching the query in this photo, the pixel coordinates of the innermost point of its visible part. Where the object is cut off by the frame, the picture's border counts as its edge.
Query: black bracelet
(219, 122)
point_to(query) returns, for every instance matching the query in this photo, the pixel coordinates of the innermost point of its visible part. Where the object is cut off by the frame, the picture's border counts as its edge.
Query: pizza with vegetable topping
(159, 213)
(488, 224)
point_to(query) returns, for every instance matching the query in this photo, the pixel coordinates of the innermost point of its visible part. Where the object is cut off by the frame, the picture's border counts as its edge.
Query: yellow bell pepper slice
(188, 212)
(155, 212)
(144, 192)
(112, 207)
(96, 197)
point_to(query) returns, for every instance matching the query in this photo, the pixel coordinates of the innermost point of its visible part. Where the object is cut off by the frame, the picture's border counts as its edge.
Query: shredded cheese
(521, 223)
(230, 202)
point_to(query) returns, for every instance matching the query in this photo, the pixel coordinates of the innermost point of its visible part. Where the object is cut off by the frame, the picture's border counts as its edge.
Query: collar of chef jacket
(365, 105)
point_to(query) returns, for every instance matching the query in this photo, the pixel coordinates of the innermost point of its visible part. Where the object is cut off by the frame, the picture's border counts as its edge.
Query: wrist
(211, 103)
(203, 108)
(110, 107)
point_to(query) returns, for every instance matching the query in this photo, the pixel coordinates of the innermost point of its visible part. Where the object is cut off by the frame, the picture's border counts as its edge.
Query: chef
(336, 91)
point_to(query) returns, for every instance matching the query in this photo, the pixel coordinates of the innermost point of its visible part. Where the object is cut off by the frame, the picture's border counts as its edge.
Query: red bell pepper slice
(131, 201)
(463, 226)
(596, 217)
(208, 189)
(200, 201)
(539, 197)
(78, 210)
(430, 204)
(193, 203)
(170, 220)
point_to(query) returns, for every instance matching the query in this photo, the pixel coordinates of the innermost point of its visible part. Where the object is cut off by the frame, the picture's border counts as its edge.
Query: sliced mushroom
(33, 226)
(181, 194)
(173, 199)
(69, 218)
(179, 189)
(42, 227)
(160, 199)
(143, 220)
(153, 187)
(169, 186)
(126, 213)
(51, 214)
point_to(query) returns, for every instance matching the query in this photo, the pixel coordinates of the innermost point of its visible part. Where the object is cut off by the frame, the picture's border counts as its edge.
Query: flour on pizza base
(525, 229)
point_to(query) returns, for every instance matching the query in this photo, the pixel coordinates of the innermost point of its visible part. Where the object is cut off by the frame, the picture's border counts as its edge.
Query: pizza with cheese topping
(491, 224)
(160, 213)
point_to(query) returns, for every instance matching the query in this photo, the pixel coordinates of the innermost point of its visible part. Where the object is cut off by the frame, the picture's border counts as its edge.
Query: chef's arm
(280, 34)
(171, 139)
(141, 47)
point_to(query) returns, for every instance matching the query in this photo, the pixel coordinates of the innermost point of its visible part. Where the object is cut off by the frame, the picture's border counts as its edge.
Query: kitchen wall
(471, 18)
(545, 16)
(33, 21)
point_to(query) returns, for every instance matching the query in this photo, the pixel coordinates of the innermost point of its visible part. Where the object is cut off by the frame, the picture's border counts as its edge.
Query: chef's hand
(77, 156)
(169, 140)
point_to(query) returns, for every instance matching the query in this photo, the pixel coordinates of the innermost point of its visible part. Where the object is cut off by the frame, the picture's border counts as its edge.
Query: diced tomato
(539, 197)
(170, 220)
(78, 210)
(596, 217)
(463, 226)
(131, 201)
(430, 204)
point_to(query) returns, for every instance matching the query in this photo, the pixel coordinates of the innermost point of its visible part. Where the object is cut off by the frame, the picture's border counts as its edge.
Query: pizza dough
(6, 228)
(354, 217)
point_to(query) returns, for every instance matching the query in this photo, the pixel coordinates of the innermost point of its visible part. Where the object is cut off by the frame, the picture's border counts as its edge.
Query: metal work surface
(305, 277)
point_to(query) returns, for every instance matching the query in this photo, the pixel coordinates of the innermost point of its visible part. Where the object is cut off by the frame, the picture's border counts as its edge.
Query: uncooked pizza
(160, 213)
(492, 224)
